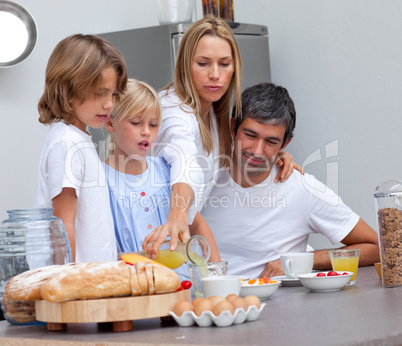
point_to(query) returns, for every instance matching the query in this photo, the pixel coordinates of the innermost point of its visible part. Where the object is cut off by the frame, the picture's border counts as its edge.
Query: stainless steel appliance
(150, 54)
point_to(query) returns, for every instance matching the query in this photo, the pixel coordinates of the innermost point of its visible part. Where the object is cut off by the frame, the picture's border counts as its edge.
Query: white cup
(220, 286)
(294, 264)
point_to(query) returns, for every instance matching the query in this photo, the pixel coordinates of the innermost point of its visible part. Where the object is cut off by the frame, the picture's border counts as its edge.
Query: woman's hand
(176, 225)
(176, 228)
(285, 160)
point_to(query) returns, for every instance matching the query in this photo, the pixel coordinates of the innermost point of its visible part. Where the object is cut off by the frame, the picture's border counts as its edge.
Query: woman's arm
(65, 207)
(176, 226)
(200, 227)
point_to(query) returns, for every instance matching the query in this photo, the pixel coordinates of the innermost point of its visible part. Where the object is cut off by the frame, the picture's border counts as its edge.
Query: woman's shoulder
(173, 106)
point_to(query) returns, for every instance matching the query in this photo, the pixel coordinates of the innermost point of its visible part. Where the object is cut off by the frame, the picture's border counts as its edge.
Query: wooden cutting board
(109, 309)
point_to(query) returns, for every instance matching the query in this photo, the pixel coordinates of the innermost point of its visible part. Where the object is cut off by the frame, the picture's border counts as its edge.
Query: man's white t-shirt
(253, 226)
(69, 160)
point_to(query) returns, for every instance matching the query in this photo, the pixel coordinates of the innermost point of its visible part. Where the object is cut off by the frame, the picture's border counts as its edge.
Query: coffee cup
(294, 264)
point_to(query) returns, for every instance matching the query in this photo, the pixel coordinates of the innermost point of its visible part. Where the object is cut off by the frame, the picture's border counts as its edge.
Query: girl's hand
(285, 160)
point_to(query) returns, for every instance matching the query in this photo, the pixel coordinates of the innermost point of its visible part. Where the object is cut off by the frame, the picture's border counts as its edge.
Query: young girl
(139, 184)
(84, 76)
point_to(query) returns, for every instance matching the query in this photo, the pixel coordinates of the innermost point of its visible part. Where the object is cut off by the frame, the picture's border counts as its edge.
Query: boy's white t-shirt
(69, 159)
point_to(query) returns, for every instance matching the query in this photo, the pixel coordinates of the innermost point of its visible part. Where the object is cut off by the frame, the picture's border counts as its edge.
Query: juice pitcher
(196, 250)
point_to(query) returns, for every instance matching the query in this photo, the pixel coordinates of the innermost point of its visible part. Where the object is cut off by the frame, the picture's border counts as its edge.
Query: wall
(340, 61)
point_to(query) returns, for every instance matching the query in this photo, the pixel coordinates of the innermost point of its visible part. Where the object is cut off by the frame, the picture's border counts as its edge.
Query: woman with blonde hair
(194, 137)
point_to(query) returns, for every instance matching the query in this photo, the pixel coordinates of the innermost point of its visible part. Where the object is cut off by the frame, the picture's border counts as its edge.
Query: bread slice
(165, 279)
(142, 277)
(28, 285)
(150, 277)
(89, 280)
(135, 287)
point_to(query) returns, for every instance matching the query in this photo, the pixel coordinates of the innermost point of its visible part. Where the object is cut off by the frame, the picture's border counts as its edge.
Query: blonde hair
(75, 71)
(185, 88)
(138, 99)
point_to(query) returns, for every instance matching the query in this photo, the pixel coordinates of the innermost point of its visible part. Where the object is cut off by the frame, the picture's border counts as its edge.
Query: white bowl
(261, 291)
(324, 283)
(220, 286)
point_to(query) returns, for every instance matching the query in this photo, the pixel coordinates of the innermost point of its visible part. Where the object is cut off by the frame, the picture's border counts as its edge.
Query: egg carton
(225, 319)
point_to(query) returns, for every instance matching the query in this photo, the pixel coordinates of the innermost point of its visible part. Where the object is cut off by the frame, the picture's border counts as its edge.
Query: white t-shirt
(180, 143)
(69, 159)
(253, 226)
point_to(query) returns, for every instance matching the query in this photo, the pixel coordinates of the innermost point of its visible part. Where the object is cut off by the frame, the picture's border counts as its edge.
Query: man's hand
(273, 268)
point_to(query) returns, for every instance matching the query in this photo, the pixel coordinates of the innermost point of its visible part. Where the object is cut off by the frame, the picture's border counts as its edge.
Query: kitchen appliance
(151, 52)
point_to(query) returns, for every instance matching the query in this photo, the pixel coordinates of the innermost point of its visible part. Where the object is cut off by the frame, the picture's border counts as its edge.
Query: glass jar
(219, 8)
(29, 239)
(388, 201)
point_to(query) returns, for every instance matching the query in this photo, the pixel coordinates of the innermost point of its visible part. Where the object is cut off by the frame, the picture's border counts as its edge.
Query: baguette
(142, 277)
(135, 287)
(150, 277)
(89, 280)
(165, 279)
(28, 285)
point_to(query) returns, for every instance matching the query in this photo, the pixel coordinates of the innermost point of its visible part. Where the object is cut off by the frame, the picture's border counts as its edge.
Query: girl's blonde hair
(185, 88)
(138, 99)
(75, 71)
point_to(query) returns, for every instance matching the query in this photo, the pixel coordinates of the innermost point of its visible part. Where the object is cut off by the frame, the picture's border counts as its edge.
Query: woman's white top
(180, 143)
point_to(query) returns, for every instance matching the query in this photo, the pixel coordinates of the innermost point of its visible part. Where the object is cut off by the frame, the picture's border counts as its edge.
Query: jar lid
(389, 188)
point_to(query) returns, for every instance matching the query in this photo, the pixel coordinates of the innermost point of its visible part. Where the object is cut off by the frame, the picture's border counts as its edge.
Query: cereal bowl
(261, 291)
(220, 286)
(325, 283)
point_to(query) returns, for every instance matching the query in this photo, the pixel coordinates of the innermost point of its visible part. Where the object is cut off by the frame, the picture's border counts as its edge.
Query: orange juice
(347, 264)
(171, 259)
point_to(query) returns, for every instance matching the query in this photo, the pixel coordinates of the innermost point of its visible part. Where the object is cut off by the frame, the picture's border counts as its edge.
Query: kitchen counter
(365, 314)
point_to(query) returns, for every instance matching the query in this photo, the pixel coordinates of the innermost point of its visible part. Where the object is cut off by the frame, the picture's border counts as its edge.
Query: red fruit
(186, 284)
(332, 273)
(345, 273)
(321, 274)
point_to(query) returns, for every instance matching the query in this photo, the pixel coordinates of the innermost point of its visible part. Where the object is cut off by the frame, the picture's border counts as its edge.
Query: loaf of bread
(89, 280)
(28, 285)
(92, 280)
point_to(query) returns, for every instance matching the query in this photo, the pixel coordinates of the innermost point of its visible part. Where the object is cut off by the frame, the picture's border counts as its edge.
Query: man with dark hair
(255, 220)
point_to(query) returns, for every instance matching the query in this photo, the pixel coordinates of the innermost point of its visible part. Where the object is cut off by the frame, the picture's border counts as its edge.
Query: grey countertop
(365, 314)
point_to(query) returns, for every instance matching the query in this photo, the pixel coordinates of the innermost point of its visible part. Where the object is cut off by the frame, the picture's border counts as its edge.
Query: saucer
(286, 282)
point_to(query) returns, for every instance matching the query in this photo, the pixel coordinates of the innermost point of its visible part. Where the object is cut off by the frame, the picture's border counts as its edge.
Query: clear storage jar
(29, 239)
(388, 201)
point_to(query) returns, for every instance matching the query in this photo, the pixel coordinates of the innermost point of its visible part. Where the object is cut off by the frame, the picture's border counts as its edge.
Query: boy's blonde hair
(185, 88)
(74, 71)
(138, 99)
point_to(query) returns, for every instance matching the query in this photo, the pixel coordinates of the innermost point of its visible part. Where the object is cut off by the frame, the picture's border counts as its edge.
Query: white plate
(325, 283)
(287, 282)
(225, 319)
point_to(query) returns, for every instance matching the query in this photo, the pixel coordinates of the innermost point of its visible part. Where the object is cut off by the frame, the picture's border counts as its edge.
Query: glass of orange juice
(345, 260)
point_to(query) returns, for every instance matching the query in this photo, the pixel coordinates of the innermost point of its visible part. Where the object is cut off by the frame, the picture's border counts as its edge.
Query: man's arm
(362, 237)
